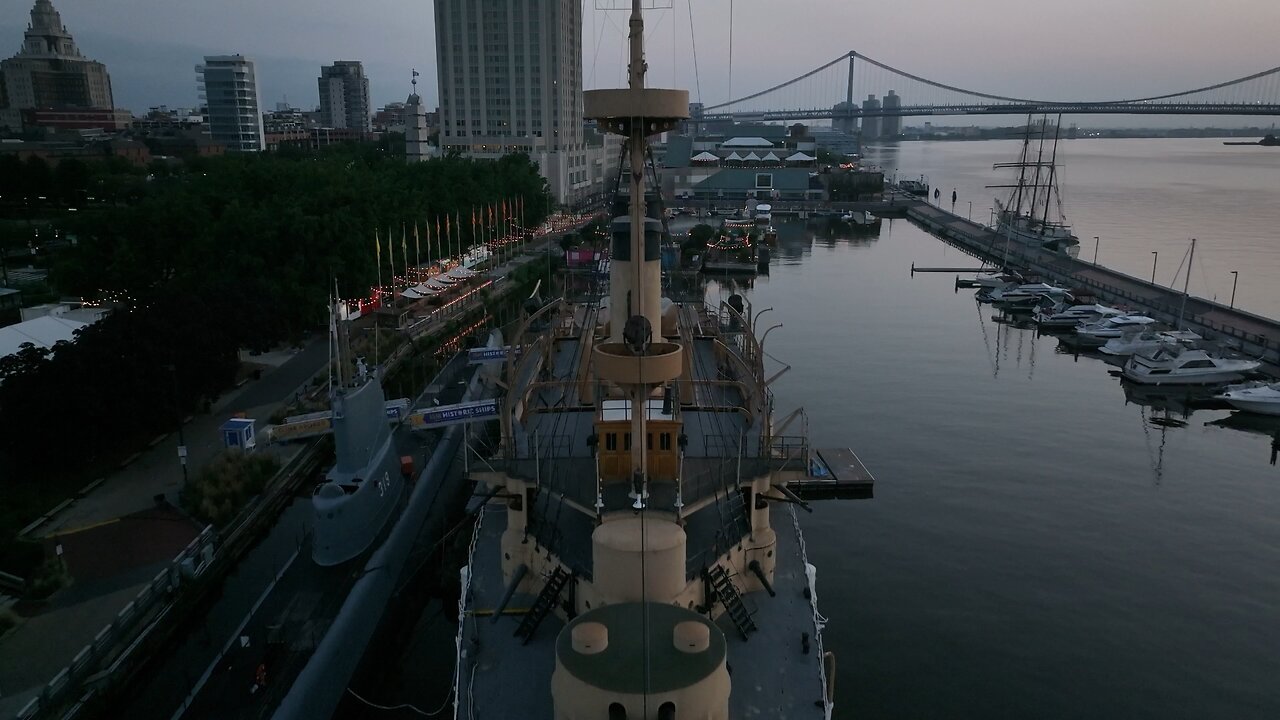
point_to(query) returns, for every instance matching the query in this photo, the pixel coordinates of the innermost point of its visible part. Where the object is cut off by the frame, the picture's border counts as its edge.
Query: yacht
(1257, 397)
(1074, 315)
(1098, 333)
(1176, 365)
(1147, 340)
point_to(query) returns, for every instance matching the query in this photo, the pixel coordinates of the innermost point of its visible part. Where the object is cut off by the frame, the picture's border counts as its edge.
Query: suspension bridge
(854, 86)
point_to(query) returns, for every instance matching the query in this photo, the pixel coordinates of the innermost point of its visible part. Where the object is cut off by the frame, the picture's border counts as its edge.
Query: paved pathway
(46, 642)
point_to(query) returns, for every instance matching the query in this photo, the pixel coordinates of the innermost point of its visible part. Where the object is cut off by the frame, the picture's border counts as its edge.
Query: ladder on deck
(544, 604)
(728, 594)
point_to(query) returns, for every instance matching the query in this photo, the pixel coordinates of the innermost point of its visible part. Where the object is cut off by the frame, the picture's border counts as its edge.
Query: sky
(1082, 49)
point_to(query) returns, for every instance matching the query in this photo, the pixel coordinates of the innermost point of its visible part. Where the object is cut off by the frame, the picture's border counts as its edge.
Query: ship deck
(773, 674)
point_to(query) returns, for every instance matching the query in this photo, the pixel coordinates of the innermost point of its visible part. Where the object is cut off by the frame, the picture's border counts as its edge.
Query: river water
(1040, 544)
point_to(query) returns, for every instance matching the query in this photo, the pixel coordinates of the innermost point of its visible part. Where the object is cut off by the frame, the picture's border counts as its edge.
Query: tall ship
(1033, 214)
(637, 551)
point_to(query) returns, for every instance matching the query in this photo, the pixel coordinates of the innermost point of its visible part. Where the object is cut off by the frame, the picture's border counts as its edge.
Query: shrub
(220, 489)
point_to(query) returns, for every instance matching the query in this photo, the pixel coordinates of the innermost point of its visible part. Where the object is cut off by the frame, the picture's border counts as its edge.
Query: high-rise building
(49, 73)
(510, 80)
(229, 88)
(344, 96)
(891, 125)
(870, 124)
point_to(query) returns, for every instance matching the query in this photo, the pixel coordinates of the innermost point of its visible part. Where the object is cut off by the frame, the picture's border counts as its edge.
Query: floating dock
(836, 474)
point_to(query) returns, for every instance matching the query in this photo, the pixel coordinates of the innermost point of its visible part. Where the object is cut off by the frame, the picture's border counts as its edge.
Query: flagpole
(417, 255)
(404, 255)
(377, 246)
(391, 262)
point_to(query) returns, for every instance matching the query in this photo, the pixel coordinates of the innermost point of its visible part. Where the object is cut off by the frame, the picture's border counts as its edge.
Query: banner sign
(444, 415)
(483, 355)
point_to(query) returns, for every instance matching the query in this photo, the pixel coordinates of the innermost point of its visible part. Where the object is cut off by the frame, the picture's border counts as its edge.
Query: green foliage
(699, 236)
(51, 577)
(212, 256)
(222, 487)
(7, 620)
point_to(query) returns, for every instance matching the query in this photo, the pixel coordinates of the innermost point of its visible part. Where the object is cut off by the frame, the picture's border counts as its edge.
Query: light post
(1155, 255)
(1234, 280)
(970, 216)
(177, 409)
(1096, 243)
(993, 217)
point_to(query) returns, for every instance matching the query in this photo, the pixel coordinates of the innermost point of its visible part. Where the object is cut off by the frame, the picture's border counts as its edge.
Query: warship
(637, 551)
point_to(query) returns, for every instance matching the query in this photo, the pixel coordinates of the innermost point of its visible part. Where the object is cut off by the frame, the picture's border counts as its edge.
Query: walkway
(45, 643)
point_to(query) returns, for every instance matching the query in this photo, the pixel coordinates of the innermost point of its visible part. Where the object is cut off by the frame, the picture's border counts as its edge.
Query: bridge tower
(870, 124)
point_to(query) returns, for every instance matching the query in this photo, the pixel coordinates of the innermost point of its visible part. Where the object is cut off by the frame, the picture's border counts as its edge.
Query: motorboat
(1075, 315)
(914, 187)
(861, 218)
(1147, 340)
(1026, 293)
(994, 280)
(1177, 365)
(1098, 333)
(1255, 397)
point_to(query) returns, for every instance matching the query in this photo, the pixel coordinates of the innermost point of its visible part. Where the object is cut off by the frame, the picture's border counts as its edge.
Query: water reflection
(1242, 421)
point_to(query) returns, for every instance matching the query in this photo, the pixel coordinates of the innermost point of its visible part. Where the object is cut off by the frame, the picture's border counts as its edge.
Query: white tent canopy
(747, 142)
(770, 157)
(752, 157)
(42, 332)
(735, 156)
(800, 157)
(704, 156)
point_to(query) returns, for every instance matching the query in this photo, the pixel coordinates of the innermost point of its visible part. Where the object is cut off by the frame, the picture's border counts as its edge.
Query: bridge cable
(693, 39)
(1236, 82)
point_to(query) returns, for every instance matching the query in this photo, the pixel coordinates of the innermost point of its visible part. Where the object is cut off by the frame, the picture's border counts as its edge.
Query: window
(611, 441)
(764, 181)
(626, 442)
(664, 441)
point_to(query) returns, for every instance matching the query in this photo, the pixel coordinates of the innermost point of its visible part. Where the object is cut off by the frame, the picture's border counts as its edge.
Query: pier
(1245, 331)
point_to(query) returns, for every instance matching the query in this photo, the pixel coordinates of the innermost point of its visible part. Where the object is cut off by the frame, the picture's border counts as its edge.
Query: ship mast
(631, 359)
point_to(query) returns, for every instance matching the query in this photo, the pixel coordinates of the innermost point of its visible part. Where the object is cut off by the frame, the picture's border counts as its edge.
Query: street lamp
(1155, 255)
(970, 216)
(993, 217)
(177, 409)
(1234, 280)
(1096, 243)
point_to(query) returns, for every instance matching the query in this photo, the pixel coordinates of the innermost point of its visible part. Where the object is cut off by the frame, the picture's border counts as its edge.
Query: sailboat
(1033, 213)
(637, 552)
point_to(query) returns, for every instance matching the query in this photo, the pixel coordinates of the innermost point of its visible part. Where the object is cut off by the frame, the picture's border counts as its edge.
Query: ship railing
(789, 452)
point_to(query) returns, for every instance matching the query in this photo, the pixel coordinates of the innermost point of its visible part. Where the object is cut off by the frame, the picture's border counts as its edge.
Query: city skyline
(1117, 49)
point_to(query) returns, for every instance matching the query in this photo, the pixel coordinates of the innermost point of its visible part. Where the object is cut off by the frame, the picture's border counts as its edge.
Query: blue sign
(453, 414)
(478, 356)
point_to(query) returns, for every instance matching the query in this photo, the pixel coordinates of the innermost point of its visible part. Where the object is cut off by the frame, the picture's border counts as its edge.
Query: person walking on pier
(953, 199)
(936, 195)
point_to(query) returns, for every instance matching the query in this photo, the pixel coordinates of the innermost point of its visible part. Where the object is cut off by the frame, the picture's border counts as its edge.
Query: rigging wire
(405, 706)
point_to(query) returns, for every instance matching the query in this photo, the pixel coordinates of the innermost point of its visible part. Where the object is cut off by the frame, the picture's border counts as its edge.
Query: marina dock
(1249, 333)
